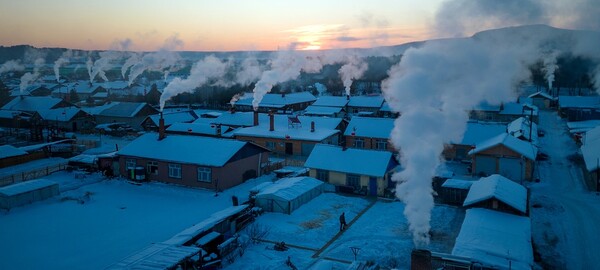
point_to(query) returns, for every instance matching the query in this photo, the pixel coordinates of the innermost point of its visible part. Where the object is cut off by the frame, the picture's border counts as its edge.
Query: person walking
(343, 222)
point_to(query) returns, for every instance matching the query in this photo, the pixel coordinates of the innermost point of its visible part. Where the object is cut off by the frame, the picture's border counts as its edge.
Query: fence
(32, 174)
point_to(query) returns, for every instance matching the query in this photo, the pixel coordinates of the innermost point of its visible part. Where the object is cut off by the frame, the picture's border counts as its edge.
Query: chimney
(161, 127)
(232, 109)
(282, 95)
(255, 123)
(312, 126)
(218, 130)
(271, 121)
(347, 97)
(420, 259)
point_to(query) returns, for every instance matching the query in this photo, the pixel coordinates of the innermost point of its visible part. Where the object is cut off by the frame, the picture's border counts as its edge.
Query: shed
(158, 256)
(454, 191)
(498, 193)
(27, 192)
(288, 194)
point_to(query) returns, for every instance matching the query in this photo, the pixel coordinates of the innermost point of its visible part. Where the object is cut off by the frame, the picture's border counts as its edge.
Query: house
(387, 112)
(454, 191)
(151, 122)
(337, 112)
(32, 104)
(590, 150)
(504, 155)
(288, 194)
(485, 112)
(68, 119)
(332, 101)
(19, 119)
(369, 133)
(579, 108)
(475, 133)
(290, 102)
(523, 129)
(131, 113)
(192, 160)
(365, 105)
(349, 170)
(542, 100)
(505, 112)
(291, 135)
(200, 129)
(495, 240)
(498, 193)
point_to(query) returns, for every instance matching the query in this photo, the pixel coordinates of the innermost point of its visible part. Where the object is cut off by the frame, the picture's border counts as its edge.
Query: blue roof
(370, 127)
(351, 160)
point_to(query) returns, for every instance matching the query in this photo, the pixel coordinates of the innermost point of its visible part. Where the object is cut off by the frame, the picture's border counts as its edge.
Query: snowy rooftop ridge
(477, 132)
(26, 186)
(495, 239)
(370, 127)
(524, 148)
(542, 94)
(7, 151)
(350, 160)
(499, 187)
(331, 101)
(156, 256)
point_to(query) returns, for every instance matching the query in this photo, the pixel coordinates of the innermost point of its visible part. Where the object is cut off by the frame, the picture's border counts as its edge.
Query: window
(270, 145)
(382, 144)
(175, 170)
(323, 175)
(152, 167)
(130, 163)
(204, 174)
(359, 142)
(353, 180)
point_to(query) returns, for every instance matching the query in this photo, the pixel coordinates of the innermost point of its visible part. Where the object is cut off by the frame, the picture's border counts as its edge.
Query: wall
(370, 143)
(502, 151)
(280, 143)
(339, 179)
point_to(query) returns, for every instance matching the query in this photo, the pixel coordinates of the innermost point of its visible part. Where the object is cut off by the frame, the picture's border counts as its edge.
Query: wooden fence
(32, 174)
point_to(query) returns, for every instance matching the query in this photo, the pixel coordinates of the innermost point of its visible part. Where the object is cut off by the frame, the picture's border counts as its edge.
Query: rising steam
(11, 65)
(353, 69)
(62, 60)
(31, 77)
(550, 67)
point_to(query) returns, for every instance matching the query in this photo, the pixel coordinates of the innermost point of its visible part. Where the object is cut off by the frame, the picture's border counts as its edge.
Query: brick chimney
(282, 95)
(218, 130)
(271, 121)
(161, 127)
(420, 259)
(312, 126)
(255, 122)
(232, 109)
(347, 97)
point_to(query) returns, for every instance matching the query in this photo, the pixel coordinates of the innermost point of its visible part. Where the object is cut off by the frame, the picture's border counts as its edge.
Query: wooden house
(498, 193)
(369, 133)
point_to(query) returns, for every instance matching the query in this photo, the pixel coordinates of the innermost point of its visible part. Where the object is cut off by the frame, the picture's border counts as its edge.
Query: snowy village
(468, 153)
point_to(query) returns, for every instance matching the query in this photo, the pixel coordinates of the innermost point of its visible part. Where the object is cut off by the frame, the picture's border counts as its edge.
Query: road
(565, 215)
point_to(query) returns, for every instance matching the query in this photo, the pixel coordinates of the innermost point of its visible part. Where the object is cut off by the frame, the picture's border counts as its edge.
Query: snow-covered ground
(381, 233)
(565, 215)
(115, 220)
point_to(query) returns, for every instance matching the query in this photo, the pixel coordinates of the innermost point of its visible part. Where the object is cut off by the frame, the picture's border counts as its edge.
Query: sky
(232, 25)
(223, 25)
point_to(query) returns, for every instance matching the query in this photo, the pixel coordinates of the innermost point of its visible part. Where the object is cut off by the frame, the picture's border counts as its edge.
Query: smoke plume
(162, 60)
(31, 77)
(132, 60)
(353, 69)
(202, 72)
(550, 67)
(321, 88)
(11, 65)
(63, 59)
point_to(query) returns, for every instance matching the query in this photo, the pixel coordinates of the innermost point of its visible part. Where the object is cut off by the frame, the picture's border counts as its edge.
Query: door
(74, 126)
(373, 186)
(289, 148)
(485, 165)
(511, 168)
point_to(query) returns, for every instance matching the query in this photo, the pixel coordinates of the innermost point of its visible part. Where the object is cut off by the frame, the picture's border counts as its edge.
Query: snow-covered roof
(591, 135)
(582, 126)
(579, 101)
(370, 127)
(366, 101)
(26, 186)
(29, 103)
(324, 127)
(84, 158)
(279, 100)
(184, 149)
(541, 94)
(351, 160)
(590, 151)
(524, 148)
(123, 109)
(521, 128)
(457, 183)
(198, 129)
(322, 110)
(38, 146)
(513, 108)
(495, 239)
(477, 132)
(331, 101)
(7, 151)
(290, 188)
(386, 107)
(237, 119)
(115, 85)
(485, 106)
(205, 225)
(158, 256)
(64, 114)
(174, 117)
(499, 187)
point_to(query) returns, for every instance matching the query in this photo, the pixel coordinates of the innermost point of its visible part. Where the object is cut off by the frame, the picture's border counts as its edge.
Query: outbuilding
(27, 192)
(288, 194)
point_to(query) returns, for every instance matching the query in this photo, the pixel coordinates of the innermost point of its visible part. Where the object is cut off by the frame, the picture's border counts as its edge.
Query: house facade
(369, 133)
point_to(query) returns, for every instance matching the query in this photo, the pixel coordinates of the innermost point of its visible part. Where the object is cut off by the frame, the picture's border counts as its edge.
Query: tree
(153, 96)
(4, 94)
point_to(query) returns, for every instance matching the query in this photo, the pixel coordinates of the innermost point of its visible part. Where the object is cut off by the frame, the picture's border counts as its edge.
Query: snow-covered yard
(381, 233)
(98, 224)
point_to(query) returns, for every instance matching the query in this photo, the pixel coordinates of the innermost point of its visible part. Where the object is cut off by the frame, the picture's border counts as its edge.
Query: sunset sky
(226, 25)
(215, 24)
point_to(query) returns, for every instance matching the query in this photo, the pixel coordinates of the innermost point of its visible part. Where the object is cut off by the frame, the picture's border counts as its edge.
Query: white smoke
(433, 87)
(549, 61)
(163, 59)
(31, 77)
(321, 88)
(354, 68)
(132, 60)
(237, 97)
(89, 64)
(108, 59)
(249, 72)
(11, 65)
(63, 59)
(201, 73)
